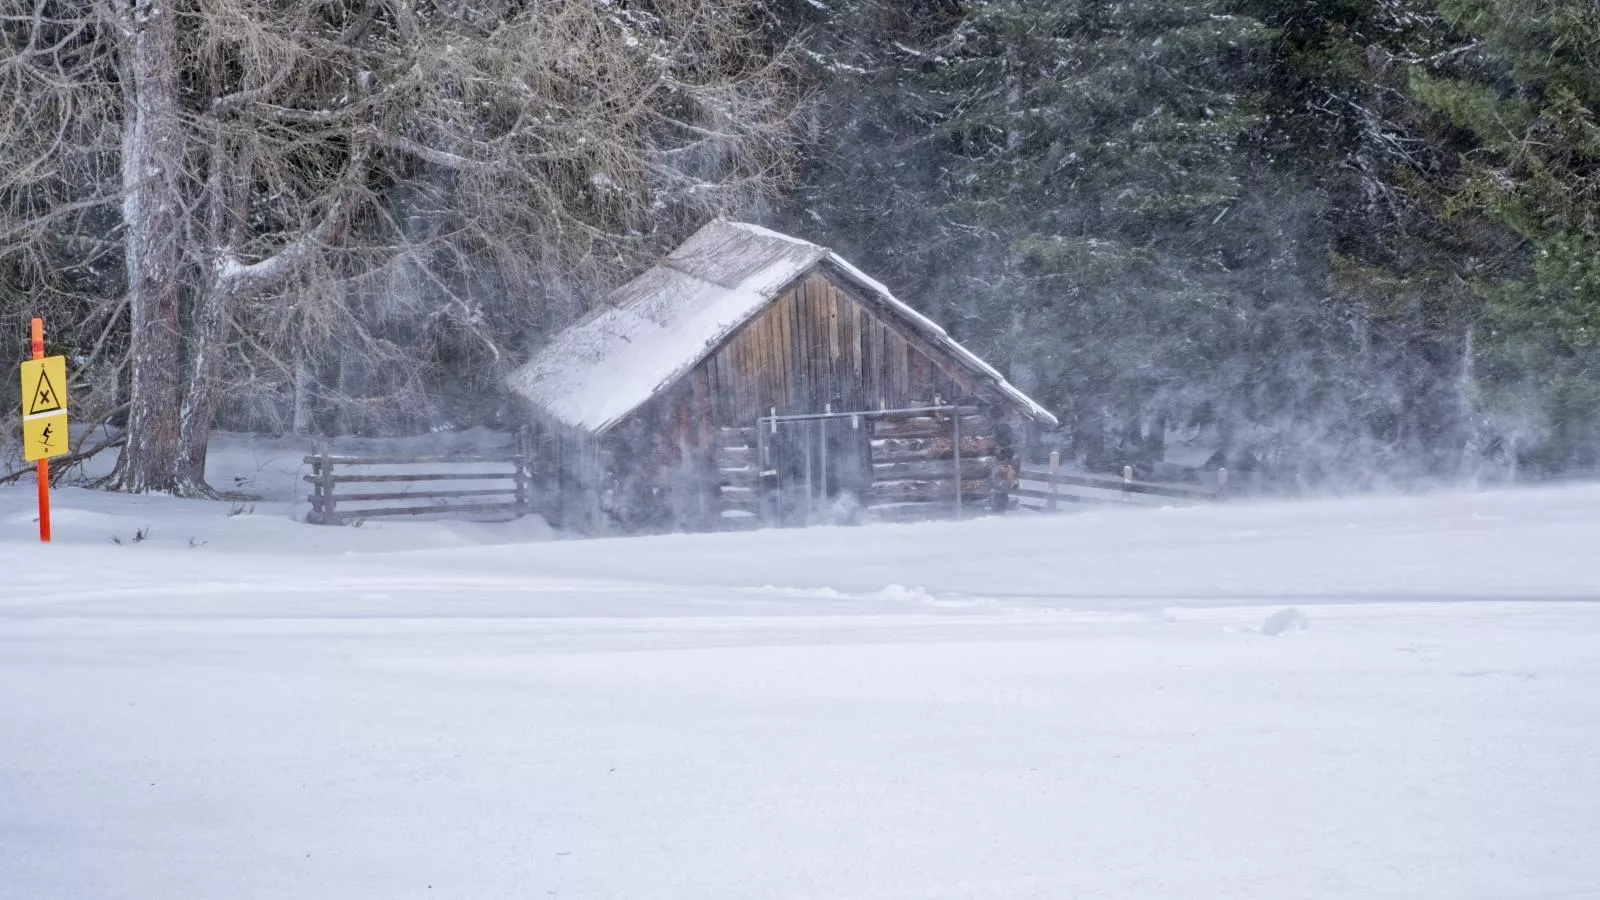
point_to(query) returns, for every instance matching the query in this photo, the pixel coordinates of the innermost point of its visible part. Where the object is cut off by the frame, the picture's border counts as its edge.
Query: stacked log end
(915, 467)
(739, 479)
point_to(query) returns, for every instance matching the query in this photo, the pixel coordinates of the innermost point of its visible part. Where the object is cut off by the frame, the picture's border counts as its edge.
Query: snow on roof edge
(943, 338)
(763, 231)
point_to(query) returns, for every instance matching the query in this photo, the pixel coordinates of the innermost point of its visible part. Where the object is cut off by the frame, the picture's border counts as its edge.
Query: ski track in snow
(1375, 698)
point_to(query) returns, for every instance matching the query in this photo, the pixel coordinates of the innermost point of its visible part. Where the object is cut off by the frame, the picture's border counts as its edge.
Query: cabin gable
(818, 346)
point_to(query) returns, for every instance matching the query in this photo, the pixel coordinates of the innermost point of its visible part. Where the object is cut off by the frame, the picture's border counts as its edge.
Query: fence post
(823, 426)
(1055, 469)
(330, 515)
(956, 449)
(763, 501)
(1222, 483)
(1127, 483)
(521, 475)
(315, 516)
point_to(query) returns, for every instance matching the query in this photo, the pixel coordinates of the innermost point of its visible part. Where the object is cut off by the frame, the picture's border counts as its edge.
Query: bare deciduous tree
(270, 172)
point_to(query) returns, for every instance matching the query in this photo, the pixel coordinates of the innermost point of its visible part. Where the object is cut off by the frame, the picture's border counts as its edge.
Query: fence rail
(1054, 480)
(332, 506)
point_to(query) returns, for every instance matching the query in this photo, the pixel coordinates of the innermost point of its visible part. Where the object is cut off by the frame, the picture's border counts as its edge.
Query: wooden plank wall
(565, 475)
(817, 344)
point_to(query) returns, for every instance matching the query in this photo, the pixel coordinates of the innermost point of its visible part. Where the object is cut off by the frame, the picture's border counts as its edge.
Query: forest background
(1343, 241)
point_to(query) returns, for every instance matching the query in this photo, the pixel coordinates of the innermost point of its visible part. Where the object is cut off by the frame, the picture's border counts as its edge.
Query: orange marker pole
(44, 464)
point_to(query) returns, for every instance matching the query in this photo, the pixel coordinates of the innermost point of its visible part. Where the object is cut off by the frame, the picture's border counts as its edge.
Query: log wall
(915, 469)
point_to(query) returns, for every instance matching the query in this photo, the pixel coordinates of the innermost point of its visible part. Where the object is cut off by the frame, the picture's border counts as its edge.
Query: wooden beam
(407, 460)
(927, 427)
(427, 510)
(975, 467)
(942, 447)
(432, 476)
(1112, 484)
(422, 495)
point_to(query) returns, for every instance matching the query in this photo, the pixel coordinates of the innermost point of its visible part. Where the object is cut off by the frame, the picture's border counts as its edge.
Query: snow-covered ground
(1380, 698)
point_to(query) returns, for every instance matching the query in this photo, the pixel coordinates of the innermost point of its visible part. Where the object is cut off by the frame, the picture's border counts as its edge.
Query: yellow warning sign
(44, 436)
(44, 408)
(44, 385)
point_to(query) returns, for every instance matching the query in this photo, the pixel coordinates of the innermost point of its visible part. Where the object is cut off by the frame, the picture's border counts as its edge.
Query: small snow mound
(64, 516)
(845, 510)
(896, 593)
(1288, 619)
(822, 592)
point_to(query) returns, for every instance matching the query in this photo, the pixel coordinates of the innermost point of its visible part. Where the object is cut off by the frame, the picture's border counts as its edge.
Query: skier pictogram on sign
(44, 436)
(44, 383)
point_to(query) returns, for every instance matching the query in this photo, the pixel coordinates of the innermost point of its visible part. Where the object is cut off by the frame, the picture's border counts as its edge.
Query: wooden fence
(1066, 488)
(346, 488)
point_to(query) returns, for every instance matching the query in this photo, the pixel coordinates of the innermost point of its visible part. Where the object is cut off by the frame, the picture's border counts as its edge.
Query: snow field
(1383, 698)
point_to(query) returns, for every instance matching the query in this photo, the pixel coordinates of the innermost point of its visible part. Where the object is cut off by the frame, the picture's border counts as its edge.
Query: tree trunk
(152, 221)
(1467, 396)
(1156, 441)
(300, 425)
(202, 388)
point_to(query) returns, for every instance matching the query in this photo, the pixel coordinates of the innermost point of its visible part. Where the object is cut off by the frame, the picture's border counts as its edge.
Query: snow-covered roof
(655, 329)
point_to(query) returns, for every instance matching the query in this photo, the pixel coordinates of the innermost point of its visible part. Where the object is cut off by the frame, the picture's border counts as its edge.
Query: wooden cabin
(752, 379)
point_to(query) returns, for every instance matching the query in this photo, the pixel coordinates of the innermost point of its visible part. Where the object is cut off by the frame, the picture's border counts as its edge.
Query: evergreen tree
(1393, 263)
(1096, 146)
(1082, 191)
(1225, 214)
(1528, 94)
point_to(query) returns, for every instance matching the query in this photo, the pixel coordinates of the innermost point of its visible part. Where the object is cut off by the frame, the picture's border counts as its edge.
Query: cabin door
(815, 469)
